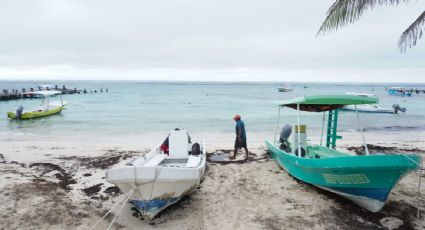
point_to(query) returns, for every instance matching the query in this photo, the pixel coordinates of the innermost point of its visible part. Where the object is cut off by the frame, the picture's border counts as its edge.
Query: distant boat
(41, 94)
(373, 109)
(367, 180)
(46, 108)
(399, 91)
(161, 178)
(284, 89)
(361, 94)
(306, 86)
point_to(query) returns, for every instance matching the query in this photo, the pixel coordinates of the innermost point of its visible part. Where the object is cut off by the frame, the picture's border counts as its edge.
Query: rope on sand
(116, 216)
(421, 168)
(126, 197)
(419, 187)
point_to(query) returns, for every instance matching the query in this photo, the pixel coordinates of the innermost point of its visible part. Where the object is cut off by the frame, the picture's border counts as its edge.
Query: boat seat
(178, 144)
(156, 160)
(193, 161)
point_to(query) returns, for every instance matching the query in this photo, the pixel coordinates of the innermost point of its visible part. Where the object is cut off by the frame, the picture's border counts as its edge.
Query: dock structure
(407, 90)
(15, 94)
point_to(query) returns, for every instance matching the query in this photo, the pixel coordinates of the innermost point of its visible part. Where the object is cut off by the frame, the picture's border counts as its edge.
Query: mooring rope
(421, 168)
(103, 217)
(119, 211)
(419, 188)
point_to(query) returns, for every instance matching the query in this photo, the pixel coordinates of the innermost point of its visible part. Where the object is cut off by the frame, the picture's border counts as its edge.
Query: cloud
(180, 39)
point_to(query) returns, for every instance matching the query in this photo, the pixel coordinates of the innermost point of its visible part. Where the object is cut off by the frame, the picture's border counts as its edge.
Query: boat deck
(178, 163)
(317, 151)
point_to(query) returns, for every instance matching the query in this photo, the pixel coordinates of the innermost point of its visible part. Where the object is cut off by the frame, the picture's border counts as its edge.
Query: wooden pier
(15, 94)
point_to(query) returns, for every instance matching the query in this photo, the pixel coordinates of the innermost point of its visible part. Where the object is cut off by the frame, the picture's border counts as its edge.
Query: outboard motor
(397, 107)
(284, 136)
(19, 112)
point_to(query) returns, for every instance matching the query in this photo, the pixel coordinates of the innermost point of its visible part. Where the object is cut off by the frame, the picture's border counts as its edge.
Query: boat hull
(156, 188)
(363, 109)
(284, 90)
(399, 93)
(36, 114)
(366, 180)
(160, 200)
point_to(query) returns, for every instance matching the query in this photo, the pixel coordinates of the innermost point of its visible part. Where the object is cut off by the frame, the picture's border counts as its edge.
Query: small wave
(396, 128)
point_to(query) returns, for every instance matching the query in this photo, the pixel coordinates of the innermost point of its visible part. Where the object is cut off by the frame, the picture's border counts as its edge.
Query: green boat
(46, 108)
(367, 179)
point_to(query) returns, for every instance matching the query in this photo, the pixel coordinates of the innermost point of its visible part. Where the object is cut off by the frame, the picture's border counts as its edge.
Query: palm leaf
(412, 34)
(343, 12)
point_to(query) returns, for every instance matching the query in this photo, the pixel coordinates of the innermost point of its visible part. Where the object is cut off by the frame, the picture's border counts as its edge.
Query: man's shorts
(240, 144)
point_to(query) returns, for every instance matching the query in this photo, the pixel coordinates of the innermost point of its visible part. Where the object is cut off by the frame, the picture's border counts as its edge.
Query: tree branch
(412, 34)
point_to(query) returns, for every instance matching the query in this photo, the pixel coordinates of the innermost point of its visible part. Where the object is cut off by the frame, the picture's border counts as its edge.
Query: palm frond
(412, 34)
(343, 12)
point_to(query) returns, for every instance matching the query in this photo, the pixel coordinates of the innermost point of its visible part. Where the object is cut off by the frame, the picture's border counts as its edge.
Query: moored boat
(374, 109)
(46, 108)
(161, 178)
(367, 179)
(284, 89)
(399, 91)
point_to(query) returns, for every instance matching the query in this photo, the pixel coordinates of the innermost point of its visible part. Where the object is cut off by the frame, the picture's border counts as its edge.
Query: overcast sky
(238, 40)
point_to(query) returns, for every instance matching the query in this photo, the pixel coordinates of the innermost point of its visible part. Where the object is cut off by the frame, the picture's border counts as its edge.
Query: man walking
(240, 141)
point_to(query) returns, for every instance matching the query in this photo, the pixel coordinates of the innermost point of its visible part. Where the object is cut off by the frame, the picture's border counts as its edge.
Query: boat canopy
(320, 103)
(44, 93)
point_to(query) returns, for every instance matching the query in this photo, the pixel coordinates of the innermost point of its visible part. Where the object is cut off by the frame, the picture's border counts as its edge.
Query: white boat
(41, 94)
(369, 108)
(157, 180)
(284, 89)
(361, 94)
(374, 109)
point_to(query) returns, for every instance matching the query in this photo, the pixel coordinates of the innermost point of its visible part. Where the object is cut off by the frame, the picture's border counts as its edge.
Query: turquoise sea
(131, 108)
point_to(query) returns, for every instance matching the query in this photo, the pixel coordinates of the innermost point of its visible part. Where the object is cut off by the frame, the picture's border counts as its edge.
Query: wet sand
(61, 185)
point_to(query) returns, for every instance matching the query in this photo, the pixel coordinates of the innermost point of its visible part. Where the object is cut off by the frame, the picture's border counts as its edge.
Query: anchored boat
(374, 109)
(46, 108)
(367, 180)
(285, 89)
(163, 176)
(399, 91)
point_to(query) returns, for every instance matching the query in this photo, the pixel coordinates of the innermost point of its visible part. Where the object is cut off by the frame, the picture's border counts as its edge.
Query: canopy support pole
(323, 127)
(277, 126)
(299, 130)
(361, 131)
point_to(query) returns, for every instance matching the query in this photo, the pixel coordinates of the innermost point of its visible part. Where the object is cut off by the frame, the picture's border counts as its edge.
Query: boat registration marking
(346, 179)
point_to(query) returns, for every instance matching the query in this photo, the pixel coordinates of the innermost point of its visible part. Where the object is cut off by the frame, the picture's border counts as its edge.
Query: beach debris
(221, 156)
(382, 149)
(112, 191)
(391, 222)
(111, 157)
(65, 179)
(92, 189)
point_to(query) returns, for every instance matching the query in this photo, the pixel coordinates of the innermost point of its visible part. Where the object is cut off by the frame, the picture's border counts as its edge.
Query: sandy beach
(61, 185)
